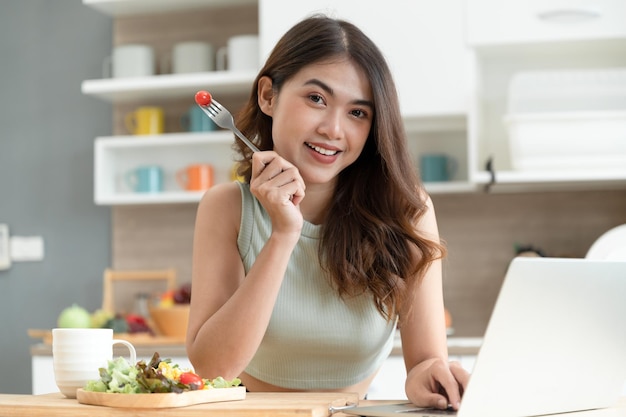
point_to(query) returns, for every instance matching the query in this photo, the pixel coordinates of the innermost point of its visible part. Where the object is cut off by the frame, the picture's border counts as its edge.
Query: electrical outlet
(5, 256)
(26, 248)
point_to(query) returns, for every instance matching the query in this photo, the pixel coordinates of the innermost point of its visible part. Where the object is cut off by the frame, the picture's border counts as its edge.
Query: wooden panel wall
(481, 231)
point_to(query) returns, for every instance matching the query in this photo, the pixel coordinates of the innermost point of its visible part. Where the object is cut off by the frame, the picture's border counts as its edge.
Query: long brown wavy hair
(369, 241)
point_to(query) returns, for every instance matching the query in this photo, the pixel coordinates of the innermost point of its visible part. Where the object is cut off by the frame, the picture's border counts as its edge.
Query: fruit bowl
(171, 321)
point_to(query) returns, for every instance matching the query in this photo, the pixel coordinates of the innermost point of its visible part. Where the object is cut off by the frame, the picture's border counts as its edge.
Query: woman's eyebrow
(329, 90)
(320, 84)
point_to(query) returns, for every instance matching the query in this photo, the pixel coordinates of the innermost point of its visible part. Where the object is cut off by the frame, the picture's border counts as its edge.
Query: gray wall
(47, 129)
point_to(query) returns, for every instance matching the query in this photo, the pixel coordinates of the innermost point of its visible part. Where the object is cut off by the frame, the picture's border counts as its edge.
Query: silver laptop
(556, 342)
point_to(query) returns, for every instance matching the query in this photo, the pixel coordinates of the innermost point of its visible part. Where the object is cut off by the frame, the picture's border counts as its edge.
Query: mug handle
(182, 179)
(130, 120)
(165, 65)
(221, 58)
(131, 180)
(131, 349)
(185, 122)
(452, 167)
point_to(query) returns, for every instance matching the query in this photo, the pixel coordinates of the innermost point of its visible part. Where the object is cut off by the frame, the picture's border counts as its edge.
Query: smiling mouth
(322, 151)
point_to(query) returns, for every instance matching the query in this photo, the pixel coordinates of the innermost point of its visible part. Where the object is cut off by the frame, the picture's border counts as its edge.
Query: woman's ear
(266, 96)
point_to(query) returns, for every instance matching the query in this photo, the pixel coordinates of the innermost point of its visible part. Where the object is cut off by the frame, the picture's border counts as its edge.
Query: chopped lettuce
(118, 376)
(220, 382)
(121, 377)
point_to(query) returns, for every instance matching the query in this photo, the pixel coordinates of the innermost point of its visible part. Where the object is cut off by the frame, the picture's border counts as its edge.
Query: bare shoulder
(221, 204)
(222, 193)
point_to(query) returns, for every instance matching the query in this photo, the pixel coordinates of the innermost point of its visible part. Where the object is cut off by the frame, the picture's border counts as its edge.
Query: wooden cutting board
(168, 400)
(254, 405)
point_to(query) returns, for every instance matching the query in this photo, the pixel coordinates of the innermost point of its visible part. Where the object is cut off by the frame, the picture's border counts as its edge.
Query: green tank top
(315, 339)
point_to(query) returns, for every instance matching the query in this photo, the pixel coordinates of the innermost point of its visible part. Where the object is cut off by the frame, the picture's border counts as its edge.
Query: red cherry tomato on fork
(203, 98)
(191, 379)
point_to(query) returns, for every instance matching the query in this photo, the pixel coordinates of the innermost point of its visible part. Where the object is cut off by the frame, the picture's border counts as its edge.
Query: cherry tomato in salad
(191, 379)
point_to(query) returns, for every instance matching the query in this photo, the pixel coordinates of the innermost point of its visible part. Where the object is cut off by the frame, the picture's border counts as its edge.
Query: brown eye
(316, 98)
(359, 114)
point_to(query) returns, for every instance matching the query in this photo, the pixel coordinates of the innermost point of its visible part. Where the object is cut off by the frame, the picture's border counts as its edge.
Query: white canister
(240, 54)
(132, 60)
(193, 56)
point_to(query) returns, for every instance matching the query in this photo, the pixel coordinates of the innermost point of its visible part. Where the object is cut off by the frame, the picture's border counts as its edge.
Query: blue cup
(145, 179)
(195, 120)
(437, 167)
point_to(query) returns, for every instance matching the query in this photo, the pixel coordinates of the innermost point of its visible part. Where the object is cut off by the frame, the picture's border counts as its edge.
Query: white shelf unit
(121, 8)
(115, 156)
(540, 35)
(495, 67)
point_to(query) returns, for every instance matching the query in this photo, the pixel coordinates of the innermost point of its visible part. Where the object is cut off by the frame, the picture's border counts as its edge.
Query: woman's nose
(332, 125)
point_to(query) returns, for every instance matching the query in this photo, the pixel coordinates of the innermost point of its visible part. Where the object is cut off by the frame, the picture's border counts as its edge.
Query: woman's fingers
(453, 381)
(460, 374)
(437, 384)
(277, 178)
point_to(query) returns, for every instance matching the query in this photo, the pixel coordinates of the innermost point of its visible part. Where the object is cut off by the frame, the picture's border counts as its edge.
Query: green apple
(74, 317)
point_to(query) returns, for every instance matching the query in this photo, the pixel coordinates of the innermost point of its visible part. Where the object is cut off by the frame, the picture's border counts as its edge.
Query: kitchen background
(47, 132)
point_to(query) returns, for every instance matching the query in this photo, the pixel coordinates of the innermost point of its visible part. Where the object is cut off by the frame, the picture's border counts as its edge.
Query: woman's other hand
(437, 384)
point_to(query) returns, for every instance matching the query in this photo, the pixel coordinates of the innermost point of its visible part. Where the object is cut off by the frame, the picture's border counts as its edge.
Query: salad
(157, 376)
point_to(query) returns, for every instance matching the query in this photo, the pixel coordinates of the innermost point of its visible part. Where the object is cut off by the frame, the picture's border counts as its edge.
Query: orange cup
(198, 177)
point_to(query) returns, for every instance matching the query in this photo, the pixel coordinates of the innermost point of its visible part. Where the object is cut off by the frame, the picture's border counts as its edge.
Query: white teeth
(323, 151)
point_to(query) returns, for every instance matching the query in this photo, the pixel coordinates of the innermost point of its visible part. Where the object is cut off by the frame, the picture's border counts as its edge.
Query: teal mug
(437, 167)
(195, 120)
(145, 179)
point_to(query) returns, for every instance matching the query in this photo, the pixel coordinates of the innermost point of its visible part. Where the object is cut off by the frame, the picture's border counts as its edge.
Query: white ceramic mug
(194, 56)
(240, 54)
(78, 354)
(132, 60)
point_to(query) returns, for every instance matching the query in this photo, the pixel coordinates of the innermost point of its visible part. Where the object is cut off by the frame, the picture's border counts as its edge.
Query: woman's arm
(431, 381)
(229, 310)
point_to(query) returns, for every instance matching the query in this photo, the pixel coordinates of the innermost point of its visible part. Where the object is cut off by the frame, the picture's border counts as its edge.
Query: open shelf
(116, 156)
(167, 86)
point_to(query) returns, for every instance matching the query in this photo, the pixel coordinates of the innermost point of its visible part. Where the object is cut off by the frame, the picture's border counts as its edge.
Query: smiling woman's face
(321, 117)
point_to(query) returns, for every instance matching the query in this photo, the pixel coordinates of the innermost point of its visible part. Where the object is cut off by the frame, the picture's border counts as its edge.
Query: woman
(301, 273)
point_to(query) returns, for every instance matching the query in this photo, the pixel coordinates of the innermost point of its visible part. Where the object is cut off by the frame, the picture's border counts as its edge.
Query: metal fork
(222, 117)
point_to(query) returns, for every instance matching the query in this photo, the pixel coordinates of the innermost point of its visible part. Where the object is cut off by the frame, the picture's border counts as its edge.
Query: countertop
(255, 404)
(457, 346)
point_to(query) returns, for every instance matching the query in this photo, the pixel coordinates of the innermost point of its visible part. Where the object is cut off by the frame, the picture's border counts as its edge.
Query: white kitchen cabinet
(493, 22)
(510, 37)
(423, 44)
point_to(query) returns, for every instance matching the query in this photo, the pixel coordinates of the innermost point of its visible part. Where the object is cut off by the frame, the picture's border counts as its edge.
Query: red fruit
(183, 294)
(137, 324)
(191, 379)
(203, 98)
